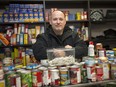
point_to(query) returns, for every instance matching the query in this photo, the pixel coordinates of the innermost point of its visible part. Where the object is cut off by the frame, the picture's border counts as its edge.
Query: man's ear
(49, 21)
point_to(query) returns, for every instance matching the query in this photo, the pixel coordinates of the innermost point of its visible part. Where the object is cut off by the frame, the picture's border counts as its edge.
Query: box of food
(61, 56)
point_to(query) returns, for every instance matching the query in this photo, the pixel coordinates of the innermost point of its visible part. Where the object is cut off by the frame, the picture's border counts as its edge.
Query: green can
(8, 77)
(26, 77)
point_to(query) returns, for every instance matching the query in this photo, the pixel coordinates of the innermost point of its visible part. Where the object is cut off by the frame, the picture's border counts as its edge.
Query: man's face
(58, 21)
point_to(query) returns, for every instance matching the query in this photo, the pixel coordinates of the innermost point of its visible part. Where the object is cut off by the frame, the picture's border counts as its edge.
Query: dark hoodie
(50, 40)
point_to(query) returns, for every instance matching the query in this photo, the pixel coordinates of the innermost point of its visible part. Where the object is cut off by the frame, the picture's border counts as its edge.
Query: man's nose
(58, 21)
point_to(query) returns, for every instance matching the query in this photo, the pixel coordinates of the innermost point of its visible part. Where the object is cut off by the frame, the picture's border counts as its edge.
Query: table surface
(90, 84)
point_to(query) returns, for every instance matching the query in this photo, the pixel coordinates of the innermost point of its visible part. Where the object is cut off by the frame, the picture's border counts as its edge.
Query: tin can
(109, 53)
(8, 76)
(55, 77)
(64, 76)
(102, 53)
(91, 74)
(99, 73)
(46, 77)
(2, 83)
(15, 81)
(114, 49)
(36, 78)
(84, 75)
(99, 46)
(75, 74)
(1, 74)
(106, 71)
(113, 71)
(26, 78)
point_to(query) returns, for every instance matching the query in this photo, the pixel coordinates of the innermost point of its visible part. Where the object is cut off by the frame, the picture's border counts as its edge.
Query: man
(58, 35)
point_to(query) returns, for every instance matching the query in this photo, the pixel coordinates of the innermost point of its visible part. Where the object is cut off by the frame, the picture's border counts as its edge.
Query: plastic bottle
(91, 51)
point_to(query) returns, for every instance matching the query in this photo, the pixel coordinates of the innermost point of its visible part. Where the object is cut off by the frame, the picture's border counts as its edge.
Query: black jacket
(50, 40)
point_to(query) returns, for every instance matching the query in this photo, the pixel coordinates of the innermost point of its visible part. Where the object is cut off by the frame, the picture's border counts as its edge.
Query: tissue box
(61, 56)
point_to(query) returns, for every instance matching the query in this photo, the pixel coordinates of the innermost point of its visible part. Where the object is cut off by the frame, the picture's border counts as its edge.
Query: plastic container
(61, 56)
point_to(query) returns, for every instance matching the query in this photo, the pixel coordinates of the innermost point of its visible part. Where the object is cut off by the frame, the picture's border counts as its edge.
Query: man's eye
(61, 19)
(55, 19)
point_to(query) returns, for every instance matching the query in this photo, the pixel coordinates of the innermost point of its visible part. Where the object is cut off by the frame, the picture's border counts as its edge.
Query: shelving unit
(97, 28)
(73, 6)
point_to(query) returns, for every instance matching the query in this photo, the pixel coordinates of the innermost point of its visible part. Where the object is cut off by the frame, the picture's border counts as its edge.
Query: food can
(109, 53)
(75, 74)
(114, 49)
(15, 81)
(64, 76)
(106, 71)
(26, 78)
(46, 77)
(2, 83)
(113, 71)
(99, 73)
(8, 75)
(102, 53)
(99, 46)
(36, 78)
(91, 74)
(55, 77)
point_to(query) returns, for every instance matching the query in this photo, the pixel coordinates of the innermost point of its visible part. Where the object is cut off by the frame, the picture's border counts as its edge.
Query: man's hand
(59, 53)
(68, 46)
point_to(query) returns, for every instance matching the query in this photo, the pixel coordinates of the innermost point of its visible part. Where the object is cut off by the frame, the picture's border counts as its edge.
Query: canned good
(64, 76)
(15, 81)
(75, 74)
(2, 83)
(109, 53)
(99, 73)
(99, 46)
(114, 49)
(46, 77)
(113, 71)
(91, 74)
(102, 53)
(8, 76)
(26, 78)
(106, 71)
(55, 77)
(36, 78)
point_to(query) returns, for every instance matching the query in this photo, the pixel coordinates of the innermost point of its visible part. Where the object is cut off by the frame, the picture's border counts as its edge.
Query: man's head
(58, 21)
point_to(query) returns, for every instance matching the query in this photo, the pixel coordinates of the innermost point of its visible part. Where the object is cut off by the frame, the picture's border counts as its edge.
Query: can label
(102, 52)
(2, 83)
(26, 78)
(106, 71)
(99, 73)
(64, 76)
(113, 71)
(84, 75)
(75, 75)
(36, 78)
(46, 77)
(55, 78)
(91, 75)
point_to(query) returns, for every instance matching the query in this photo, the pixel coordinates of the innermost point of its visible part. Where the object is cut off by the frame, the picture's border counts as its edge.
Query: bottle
(91, 51)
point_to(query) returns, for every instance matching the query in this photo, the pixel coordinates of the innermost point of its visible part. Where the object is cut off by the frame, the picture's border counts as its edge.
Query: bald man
(58, 35)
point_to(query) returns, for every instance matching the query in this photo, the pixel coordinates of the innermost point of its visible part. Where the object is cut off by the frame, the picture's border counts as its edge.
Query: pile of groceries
(92, 68)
